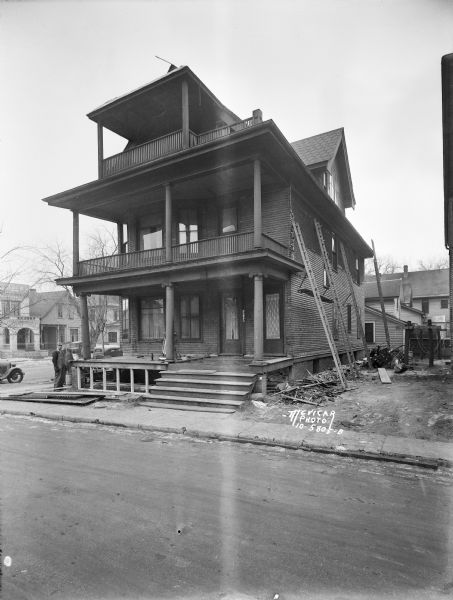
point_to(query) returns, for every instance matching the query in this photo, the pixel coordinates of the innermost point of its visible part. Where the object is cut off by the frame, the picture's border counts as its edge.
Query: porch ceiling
(219, 268)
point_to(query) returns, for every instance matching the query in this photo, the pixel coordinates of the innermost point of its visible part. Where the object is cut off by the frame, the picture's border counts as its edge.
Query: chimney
(406, 272)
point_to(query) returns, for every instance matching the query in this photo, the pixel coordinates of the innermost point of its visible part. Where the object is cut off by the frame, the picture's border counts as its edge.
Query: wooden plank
(384, 376)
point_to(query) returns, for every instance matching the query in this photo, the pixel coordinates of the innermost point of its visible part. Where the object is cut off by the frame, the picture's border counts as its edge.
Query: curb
(419, 461)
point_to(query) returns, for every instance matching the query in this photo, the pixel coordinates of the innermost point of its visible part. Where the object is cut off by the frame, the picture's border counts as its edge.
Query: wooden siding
(396, 332)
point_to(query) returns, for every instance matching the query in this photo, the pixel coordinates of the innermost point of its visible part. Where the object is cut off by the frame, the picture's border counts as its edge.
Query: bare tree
(386, 263)
(56, 263)
(433, 263)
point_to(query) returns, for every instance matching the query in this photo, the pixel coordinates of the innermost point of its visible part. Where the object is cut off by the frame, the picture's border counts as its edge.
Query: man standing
(59, 363)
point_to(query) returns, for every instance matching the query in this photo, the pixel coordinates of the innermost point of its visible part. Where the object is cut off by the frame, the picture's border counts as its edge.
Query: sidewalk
(237, 428)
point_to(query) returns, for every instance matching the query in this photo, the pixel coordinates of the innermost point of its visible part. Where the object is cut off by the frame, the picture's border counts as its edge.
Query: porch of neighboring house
(51, 335)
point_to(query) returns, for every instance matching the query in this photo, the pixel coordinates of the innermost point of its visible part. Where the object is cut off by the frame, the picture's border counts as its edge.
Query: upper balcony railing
(165, 145)
(227, 245)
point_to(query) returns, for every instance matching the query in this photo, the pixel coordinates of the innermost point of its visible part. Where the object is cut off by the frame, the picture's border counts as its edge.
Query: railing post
(118, 383)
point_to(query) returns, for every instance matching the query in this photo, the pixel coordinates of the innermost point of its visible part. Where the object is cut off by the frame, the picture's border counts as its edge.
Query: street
(36, 371)
(95, 512)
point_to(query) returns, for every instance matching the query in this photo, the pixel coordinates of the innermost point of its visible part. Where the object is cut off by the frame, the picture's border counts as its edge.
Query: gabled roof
(41, 303)
(434, 282)
(390, 289)
(377, 313)
(321, 151)
(320, 148)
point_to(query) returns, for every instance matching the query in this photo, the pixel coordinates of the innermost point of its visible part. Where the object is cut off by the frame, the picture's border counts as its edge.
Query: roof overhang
(152, 110)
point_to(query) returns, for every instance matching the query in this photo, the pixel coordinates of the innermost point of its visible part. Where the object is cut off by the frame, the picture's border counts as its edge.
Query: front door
(231, 334)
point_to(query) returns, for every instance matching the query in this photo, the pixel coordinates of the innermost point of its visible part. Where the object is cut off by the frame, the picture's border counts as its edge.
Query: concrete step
(217, 384)
(197, 392)
(210, 375)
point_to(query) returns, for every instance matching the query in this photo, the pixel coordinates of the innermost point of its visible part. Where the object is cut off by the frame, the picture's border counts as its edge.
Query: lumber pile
(313, 389)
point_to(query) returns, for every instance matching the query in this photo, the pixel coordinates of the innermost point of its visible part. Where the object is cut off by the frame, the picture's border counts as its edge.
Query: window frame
(161, 326)
(373, 323)
(444, 304)
(193, 317)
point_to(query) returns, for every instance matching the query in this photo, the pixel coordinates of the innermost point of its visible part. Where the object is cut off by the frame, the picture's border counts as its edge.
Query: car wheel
(15, 376)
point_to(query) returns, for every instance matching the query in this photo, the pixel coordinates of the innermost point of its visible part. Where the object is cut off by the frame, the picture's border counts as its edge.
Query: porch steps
(213, 389)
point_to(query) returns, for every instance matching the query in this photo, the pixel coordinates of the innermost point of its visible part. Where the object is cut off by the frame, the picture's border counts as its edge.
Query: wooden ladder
(317, 296)
(354, 301)
(336, 299)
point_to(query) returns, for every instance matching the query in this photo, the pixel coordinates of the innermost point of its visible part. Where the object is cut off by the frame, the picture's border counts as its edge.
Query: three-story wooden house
(203, 203)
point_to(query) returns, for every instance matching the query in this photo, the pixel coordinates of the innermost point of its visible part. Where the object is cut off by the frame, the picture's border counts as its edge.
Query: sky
(370, 66)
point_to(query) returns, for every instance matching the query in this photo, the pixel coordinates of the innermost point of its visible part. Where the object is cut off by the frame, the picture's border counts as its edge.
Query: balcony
(195, 251)
(166, 145)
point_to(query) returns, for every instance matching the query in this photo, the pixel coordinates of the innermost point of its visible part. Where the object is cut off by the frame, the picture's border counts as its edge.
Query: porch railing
(165, 145)
(227, 245)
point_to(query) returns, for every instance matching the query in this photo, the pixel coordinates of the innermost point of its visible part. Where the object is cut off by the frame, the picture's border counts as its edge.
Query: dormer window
(329, 184)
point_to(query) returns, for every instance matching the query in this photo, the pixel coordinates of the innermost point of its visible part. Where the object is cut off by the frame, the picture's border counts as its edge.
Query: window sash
(189, 307)
(152, 324)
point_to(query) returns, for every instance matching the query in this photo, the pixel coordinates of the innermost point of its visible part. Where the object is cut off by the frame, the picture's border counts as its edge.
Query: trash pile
(313, 389)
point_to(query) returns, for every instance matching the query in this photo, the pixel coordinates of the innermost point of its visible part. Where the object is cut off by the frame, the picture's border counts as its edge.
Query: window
(112, 337)
(6, 336)
(349, 317)
(329, 184)
(272, 316)
(60, 311)
(152, 319)
(425, 305)
(188, 226)
(334, 252)
(357, 271)
(70, 313)
(150, 237)
(229, 219)
(11, 308)
(325, 280)
(115, 315)
(125, 318)
(369, 332)
(444, 302)
(189, 307)
(74, 335)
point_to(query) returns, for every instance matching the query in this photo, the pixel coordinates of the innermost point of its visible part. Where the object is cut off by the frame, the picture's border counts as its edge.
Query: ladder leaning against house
(317, 296)
(336, 299)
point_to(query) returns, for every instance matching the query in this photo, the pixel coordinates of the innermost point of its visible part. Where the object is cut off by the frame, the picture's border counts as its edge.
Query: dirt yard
(417, 404)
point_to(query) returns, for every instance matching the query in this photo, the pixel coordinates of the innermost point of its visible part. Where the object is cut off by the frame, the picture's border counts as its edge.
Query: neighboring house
(426, 292)
(375, 329)
(203, 201)
(104, 317)
(19, 328)
(59, 317)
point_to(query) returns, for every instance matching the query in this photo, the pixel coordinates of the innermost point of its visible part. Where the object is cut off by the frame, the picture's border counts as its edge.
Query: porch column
(168, 217)
(100, 150)
(258, 317)
(86, 351)
(75, 243)
(120, 238)
(12, 341)
(185, 114)
(257, 225)
(169, 317)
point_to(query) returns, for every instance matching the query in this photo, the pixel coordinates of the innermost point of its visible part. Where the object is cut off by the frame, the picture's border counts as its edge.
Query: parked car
(109, 351)
(9, 371)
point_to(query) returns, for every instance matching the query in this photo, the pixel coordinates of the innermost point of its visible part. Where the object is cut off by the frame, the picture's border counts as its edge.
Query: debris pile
(313, 389)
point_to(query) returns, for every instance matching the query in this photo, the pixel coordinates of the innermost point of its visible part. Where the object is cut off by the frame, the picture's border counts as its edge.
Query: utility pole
(381, 297)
